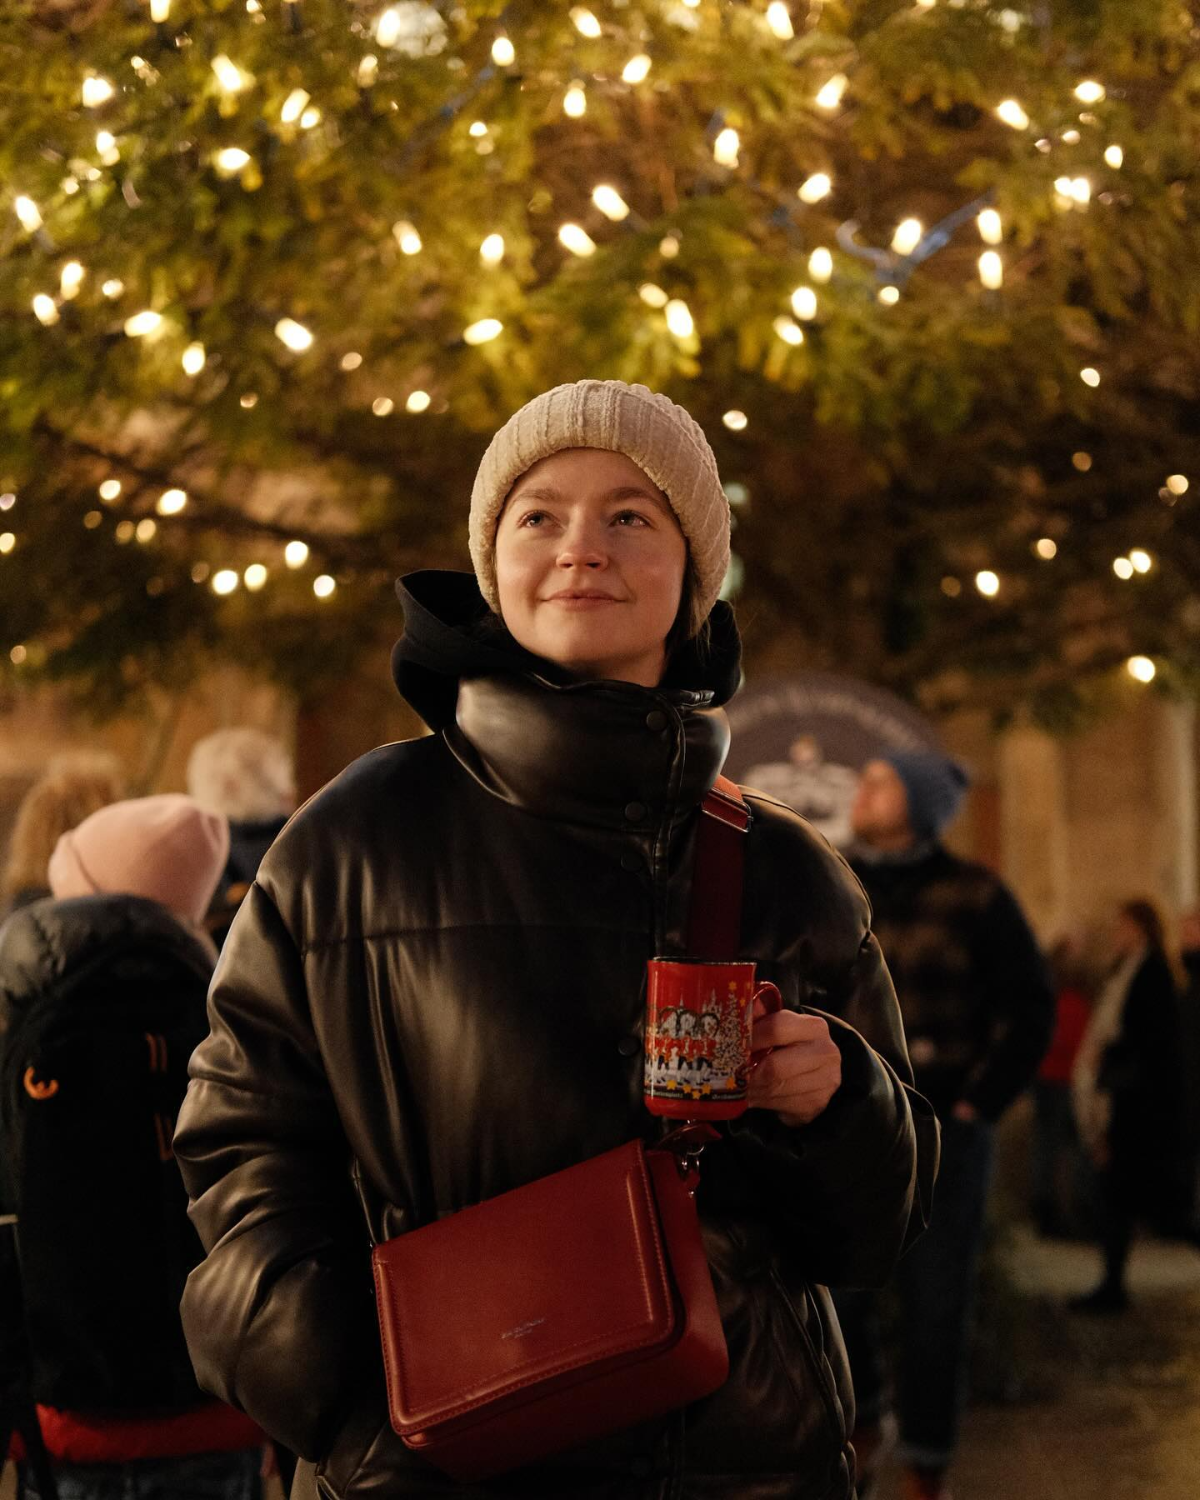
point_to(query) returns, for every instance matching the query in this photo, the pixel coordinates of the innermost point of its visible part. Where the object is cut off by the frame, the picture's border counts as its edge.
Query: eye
(533, 518)
(630, 518)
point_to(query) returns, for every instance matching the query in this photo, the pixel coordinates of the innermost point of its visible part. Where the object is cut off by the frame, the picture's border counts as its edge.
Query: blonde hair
(73, 788)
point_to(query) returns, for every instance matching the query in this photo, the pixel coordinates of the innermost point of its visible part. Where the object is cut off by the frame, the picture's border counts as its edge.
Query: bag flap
(565, 1272)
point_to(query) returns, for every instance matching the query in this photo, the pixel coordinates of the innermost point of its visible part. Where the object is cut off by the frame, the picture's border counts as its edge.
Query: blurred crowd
(113, 912)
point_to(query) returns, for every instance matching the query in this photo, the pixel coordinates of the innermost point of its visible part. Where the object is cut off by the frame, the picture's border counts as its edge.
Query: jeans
(199, 1476)
(935, 1283)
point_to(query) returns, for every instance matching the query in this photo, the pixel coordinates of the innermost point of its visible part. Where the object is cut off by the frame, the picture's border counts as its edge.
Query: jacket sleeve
(279, 1317)
(852, 1189)
(1019, 1004)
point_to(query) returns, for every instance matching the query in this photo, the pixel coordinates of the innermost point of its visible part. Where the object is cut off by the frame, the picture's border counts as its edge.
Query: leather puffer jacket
(434, 993)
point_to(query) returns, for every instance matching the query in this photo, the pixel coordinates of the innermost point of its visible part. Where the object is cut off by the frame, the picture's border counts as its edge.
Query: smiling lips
(581, 599)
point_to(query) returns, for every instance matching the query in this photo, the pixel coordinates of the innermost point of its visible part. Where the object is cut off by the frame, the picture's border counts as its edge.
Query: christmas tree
(273, 270)
(729, 1054)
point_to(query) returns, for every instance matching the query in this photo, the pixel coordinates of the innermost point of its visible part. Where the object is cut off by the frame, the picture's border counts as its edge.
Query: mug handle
(772, 1001)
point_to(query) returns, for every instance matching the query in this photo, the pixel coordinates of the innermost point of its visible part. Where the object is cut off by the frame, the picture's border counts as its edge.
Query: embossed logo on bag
(522, 1329)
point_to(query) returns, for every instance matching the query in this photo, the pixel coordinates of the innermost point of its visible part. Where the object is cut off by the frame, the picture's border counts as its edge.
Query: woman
(438, 976)
(102, 992)
(1126, 1089)
(74, 787)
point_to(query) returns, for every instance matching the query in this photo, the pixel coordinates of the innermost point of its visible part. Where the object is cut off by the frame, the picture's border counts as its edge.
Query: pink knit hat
(168, 849)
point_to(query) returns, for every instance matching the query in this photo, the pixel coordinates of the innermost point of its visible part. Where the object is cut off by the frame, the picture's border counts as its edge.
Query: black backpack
(93, 1069)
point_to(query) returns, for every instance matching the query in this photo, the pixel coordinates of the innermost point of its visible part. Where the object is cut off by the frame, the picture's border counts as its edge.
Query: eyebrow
(621, 492)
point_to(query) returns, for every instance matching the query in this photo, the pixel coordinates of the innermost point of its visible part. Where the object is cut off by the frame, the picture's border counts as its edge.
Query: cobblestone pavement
(1089, 1408)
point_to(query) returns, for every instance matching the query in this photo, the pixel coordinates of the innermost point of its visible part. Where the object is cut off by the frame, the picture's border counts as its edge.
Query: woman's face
(590, 564)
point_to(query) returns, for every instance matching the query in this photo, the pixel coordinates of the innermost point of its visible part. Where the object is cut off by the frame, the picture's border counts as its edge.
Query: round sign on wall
(804, 739)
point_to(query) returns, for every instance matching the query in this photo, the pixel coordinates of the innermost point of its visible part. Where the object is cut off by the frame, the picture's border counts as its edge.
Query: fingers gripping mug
(699, 1017)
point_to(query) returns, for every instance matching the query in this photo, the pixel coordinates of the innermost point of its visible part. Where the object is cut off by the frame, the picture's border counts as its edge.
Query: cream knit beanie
(660, 437)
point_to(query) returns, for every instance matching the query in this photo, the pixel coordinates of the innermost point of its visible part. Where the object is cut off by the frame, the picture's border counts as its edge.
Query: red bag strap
(715, 919)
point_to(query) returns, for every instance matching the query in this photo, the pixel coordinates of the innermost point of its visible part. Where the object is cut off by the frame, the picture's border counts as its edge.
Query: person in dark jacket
(103, 1356)
(434, 991)
(1127, 1087)
(978, 1011)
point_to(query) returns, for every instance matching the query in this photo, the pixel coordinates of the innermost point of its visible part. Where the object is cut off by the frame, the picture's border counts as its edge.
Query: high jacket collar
(606, 754)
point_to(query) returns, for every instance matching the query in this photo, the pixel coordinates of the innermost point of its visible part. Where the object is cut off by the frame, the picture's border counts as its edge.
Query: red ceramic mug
(699, 1017)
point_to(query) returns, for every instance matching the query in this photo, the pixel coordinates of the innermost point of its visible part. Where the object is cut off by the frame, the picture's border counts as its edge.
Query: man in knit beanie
(978, 1011)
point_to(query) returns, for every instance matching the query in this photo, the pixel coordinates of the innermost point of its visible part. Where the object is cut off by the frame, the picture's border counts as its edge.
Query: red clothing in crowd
(1071, 1014)
(86, 1438)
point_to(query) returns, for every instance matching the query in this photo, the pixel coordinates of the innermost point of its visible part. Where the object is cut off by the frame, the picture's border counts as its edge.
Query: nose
(582, 547)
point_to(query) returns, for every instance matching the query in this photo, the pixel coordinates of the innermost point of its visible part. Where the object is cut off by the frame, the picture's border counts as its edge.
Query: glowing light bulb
(310, 117)
(1011, 113)
(106, 146)
(367, 71)
(889, 295)
(418, 401)
(1089, 91)
(113, 288)
(110, 490)
(779, 19)
(324, 586)
(1123, 568)
(254, 577)
(8, 541)
(725, 147)
(820, 264)
(1177, 484)
(504, 54)
(1114, 156)
(576, 240)
(231, 159)
(294, 335)
(96, 91)
(814, 188)
(483, 332)
(736, 421)
(193, 359)
(143, 324)
(293, 106)
(1046, 548)
(637, 69)
(28, 213)
(830, 94)
(477, 129)
(224, 581)
(1141, 560)
(229, 76)
(389, 26)
(991, 230)
(668, 247)
(988, 583)
(1141, 669)
(1089, 376)
(160, 10)
(407, 237)
(1081, 190)
(679, 318)
(171, 502)
(45, 309)
(295, 554)
(145, 530)
(383, 406)
(491, 252)
(575, 102)
(991, 270)
(804, 303)
(651, 295)
(586, 23)
(789, 331)
(70, 279)
(610, 203)
(907, 236)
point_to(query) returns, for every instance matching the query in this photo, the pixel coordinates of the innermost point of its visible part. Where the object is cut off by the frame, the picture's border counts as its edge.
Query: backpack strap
(715, 918)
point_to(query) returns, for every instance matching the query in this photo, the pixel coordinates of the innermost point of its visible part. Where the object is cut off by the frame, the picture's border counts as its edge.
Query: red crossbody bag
(581, 1303)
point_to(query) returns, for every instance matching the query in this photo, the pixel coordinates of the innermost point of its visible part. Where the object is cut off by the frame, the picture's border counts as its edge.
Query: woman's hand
(803, 1071)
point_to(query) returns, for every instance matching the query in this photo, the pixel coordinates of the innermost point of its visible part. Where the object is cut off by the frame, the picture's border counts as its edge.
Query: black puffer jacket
(438, 976)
